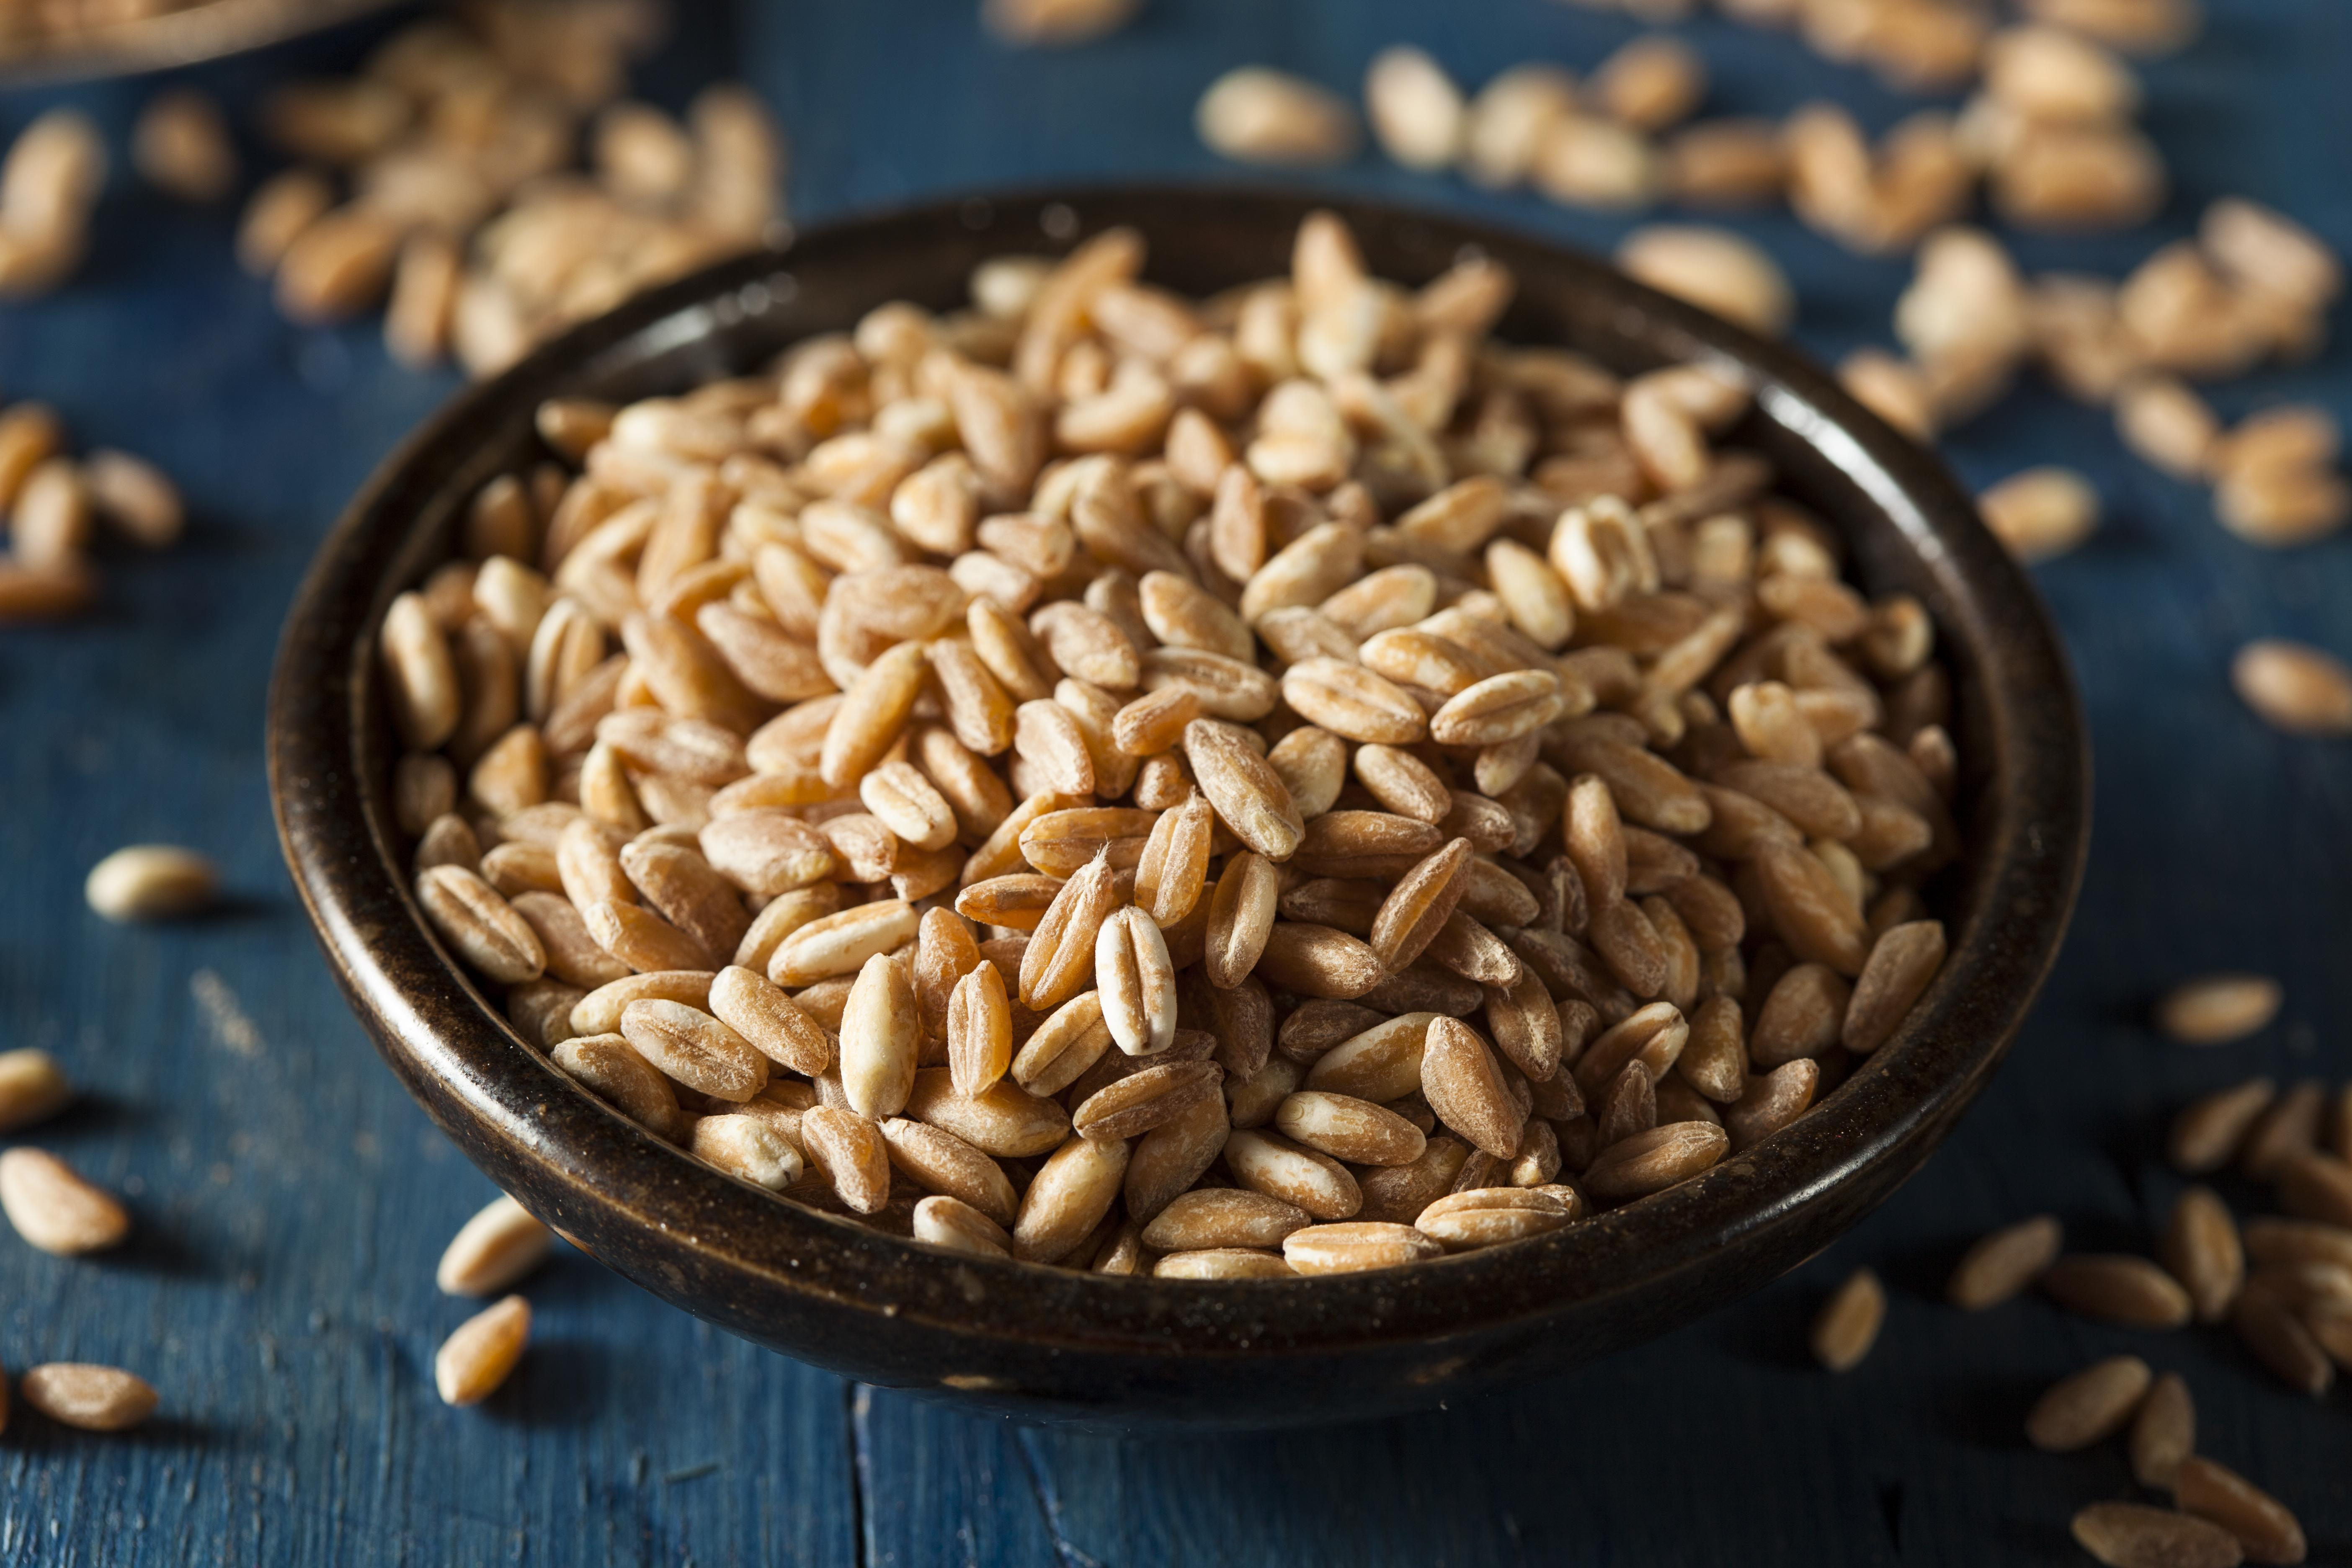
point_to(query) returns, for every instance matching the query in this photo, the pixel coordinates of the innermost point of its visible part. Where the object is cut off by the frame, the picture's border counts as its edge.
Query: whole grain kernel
(93, 1398)
(492, 1250)
(1255, 115)
(1272, 1165)
(747, 1145)
(695, 1049)
(2202, 1248)
(1653, 1161)
(1903, 961)
(1351, 1246)
(481, 1355)
(53, 1209)
(1713, 268)
(2001, 1265)
(2316, 1186)
(1067, 1198)
(1416, 112)
(151, 881)
(2285, 1134)
(2164, 1432)
(2280, 1340)
(2208, 1132)
(943, 1221)
(2133, 1536)
(33, 1088)
(2091, 1405)
(2116, 1287)
(2293, 687)
(1849, 1322)
(2215, 1009)
(2042, 512)
(849, 1152)
(880, 1035)
(1487, 1216)
(2263, 1526)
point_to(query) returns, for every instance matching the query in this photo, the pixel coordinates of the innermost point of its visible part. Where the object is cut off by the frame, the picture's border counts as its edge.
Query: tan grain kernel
(2119, 1289)
(1138, 983)
(2215, 1009)
(53, 1209)
(151, 881)
(474, 1360)
(93, 1398)
(2042, 512)
(848, 1151)
(2202, 1248)
(1713, 268)
(2163, 1433)
(1486, 1217)
(1849, 1322)
(943, 1221)
(2209, 1131)
(2295, 688)
(880, 1038)
(1067, 1198)
(1351, 1246)
(2133, 1536)
(2263, 1524)
(2092, 1404)
(610, 1067)
(2000, 1264)
(1903, 961)
(492, 1250)
(1255, 115)
(33, 1088)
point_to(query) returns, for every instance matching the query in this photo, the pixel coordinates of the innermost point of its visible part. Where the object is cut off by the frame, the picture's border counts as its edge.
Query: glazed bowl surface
(1145, 1352)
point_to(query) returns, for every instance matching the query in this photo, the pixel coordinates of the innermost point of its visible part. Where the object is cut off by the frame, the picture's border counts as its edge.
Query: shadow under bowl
(1158, 1353)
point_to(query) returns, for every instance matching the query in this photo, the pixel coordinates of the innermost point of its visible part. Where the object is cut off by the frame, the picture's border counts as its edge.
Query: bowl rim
(453, 1048)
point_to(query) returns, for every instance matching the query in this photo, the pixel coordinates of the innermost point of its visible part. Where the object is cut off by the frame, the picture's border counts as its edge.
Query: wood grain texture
(290, 1202)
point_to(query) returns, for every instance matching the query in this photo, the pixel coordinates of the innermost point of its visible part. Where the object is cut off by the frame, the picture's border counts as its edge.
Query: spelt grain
(1849, 1322)
(2263, 1525)
(2133, 1535)
(2088, 1407)
(93, 1398)
(481, 1356)
(2116, 1287)
(2004, 1263)
(2164, 1433)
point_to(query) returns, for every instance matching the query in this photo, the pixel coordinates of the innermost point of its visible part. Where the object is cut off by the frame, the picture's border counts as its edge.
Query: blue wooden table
(290, 1202)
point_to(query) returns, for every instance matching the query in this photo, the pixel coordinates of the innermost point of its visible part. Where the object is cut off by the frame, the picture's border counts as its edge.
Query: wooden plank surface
(290, 1202)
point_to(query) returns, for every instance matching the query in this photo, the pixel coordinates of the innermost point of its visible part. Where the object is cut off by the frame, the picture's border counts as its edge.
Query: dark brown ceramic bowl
(1149, 1353)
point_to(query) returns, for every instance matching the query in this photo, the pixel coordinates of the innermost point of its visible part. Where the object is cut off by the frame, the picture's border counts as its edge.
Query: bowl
(1145, 1352)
